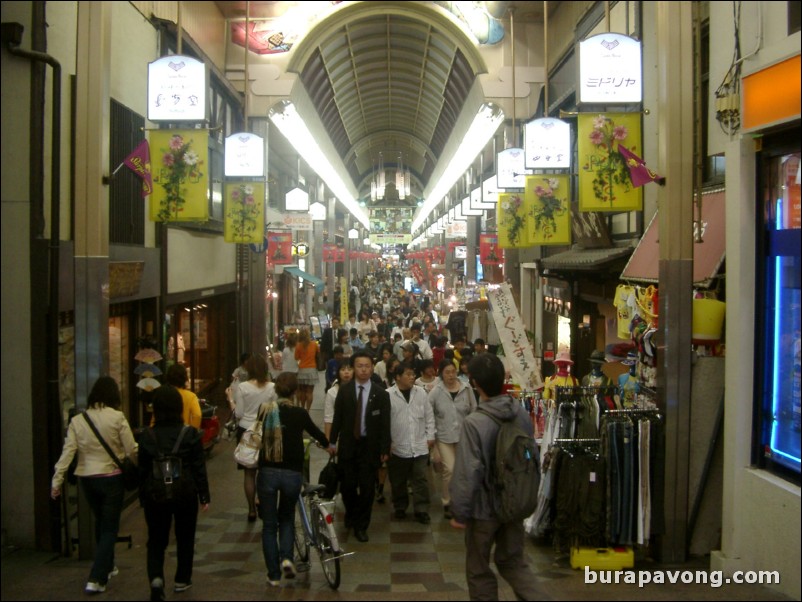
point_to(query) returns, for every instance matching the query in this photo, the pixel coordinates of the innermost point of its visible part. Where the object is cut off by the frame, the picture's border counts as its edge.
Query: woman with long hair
(288, 361)
(245, 400)
(98, 474)
(281, 476)
(451, 401)
(306, 352)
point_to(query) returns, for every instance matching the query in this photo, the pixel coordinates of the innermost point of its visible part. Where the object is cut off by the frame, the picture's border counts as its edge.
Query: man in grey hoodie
(473, 503)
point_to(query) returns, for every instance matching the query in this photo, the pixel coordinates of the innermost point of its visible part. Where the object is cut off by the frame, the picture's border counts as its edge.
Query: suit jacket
(377, 423)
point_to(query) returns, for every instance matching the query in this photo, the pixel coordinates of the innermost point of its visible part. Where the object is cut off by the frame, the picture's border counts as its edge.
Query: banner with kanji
(517, 348)
(244, 217)
(489, 252)
(179, 168)
(332, 253)
(549, 201)
(343, 300)
(279, 248)
(604, 180)
(514, 220)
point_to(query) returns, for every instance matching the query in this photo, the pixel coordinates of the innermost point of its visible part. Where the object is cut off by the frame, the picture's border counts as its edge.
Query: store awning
(579, 259)
(644, 265)
(314, 280)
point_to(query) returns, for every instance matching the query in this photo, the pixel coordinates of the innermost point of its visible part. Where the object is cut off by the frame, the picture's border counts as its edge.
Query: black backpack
(516, 473)
(169, 482)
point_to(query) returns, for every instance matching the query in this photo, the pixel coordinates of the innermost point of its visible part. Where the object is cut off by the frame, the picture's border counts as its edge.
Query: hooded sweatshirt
(472, 495)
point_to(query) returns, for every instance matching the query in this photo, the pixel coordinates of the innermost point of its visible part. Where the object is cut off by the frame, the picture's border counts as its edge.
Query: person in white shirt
(288, 361)
(345, 374)
(412, 433)
(423, 346)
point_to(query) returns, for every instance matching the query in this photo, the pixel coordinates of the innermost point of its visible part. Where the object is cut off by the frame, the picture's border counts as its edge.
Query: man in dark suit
(360, 436)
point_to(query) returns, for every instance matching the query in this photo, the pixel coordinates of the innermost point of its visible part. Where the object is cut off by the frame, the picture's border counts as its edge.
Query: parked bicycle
(314, 527)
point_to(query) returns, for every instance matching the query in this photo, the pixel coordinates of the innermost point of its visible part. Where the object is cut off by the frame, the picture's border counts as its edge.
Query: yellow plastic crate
(602, 559)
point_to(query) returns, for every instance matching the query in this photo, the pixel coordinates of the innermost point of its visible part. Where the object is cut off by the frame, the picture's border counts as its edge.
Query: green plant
(611, 169)
(242, 211)
(549, 208)
(179, 164)
(514, 219)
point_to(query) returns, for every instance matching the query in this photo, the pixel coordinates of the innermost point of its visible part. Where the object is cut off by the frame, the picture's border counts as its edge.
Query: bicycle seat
(310, 489)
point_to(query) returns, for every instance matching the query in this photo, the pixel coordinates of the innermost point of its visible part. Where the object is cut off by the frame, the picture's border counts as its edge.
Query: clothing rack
(582, 440)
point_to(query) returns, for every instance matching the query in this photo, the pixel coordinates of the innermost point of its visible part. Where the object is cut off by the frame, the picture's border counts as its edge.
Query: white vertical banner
(517, 349)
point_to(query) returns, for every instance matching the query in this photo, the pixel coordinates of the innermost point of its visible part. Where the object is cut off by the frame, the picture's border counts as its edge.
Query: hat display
(563, 357)
(632, 359)
(597, 357)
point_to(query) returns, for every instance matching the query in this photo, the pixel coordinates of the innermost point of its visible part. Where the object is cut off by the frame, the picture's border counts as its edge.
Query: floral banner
(489, 253)
(244, 212)
(549, 202)
(179, 162)
(513, 216)
(604, 180)
(279, 248)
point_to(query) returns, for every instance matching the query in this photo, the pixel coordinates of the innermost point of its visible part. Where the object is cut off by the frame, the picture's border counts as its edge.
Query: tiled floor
(403, 560)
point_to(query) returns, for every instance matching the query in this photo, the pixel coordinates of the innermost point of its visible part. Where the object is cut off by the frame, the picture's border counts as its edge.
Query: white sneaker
(288, 568)
(114, 572)
(93, 587)
(273, 583)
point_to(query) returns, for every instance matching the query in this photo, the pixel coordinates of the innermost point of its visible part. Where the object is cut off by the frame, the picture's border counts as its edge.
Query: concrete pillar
(91, 234)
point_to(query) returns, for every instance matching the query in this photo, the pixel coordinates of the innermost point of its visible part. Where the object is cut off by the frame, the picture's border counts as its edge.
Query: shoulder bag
(247, 451)
(127, 466)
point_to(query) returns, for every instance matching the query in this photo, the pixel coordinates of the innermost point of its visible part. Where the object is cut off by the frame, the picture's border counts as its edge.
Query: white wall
(197, 260)
(760, 512)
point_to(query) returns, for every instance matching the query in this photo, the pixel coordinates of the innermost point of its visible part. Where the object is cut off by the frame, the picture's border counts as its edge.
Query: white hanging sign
(610, 69)
(245, 155)
(177, 89)
(547, 144)
(511, 169)
(517, 349)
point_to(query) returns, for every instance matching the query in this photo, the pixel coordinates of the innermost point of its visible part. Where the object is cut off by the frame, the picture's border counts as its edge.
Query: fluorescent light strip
(484, 125)
(292, 126)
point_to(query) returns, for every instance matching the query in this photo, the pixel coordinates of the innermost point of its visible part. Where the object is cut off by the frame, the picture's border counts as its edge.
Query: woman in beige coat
(99, 476)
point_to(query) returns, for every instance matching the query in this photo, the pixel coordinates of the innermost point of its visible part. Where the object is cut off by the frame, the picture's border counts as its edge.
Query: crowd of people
(399, 389)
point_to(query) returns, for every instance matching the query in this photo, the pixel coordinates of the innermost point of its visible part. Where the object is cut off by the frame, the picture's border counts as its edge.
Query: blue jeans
(105, 498)
(278, 490)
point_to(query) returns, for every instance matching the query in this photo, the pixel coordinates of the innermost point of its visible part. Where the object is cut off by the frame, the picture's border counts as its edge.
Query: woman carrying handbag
(98, 474)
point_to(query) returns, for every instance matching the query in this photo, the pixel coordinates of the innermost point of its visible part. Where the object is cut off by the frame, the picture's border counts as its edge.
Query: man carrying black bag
(330, 477)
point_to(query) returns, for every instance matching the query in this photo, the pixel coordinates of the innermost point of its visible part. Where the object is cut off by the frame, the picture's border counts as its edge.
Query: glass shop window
(779, 314)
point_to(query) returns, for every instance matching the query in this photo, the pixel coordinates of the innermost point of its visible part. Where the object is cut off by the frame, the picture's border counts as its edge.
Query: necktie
(358, 419)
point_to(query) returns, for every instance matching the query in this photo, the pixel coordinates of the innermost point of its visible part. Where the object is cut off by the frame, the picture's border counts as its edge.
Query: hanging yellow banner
(180, 169)
(549, 201)
(343, 300)
(244, 206)
(513, 217)
(604, 180)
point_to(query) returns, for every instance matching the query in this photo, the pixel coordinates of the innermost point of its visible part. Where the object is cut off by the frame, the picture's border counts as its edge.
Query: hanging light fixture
(403, 179)
(380, 182)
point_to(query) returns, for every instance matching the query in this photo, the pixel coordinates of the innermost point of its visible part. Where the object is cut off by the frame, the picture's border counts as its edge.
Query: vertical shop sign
(604, 180)
(343, 300)
(179, 163)
(244, 207)
(547, 144)
(514, 220)
(489, 252)
(279, 248)
(517, 349)
(548, 200)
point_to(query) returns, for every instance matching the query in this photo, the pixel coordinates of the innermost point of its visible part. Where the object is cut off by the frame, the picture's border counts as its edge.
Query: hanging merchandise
(625, 306)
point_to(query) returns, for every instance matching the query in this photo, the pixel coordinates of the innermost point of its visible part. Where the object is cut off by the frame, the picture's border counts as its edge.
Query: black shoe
(380, 499)
(361, 535)
(400, 514)
(447, 513)
(157, 590)
(423, 518)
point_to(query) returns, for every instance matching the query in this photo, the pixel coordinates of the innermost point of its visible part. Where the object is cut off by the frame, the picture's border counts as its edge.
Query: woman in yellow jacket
(99, 476)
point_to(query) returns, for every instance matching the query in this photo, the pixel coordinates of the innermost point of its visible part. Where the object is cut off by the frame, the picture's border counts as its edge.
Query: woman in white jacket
(99, 476)
(345, 374)
(245, 401)
(451, 400)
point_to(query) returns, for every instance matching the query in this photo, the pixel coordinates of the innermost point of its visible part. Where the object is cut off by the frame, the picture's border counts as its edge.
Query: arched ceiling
(388, 80)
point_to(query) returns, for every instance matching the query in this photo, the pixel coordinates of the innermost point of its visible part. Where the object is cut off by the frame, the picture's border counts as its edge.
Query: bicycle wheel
(329, 557)
(301, 542)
